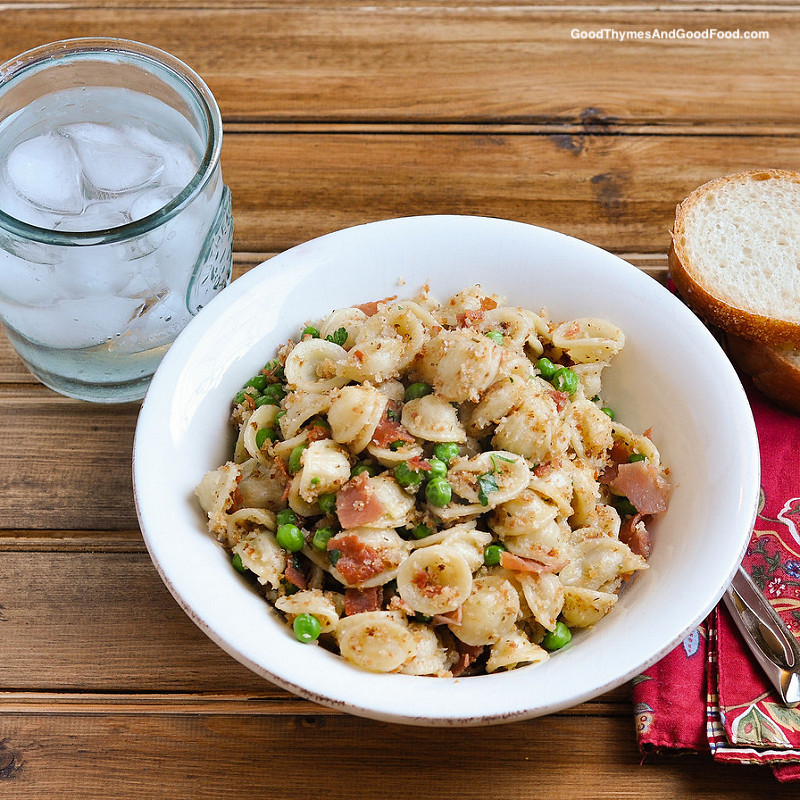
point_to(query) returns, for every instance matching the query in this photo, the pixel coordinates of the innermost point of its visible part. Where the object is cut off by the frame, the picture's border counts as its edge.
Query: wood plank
(105, 623)
(618, 192)
(341, 758)
(65, 464)
(398, 61)
(269, 701)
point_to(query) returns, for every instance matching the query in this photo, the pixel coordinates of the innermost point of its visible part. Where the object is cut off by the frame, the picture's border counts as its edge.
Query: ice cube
(151, 200)
(97, 217)
(75, 323)
(180, 161)
(160, 321)
(26, 283)
(46, 172)
(112, 163)
(92, 270)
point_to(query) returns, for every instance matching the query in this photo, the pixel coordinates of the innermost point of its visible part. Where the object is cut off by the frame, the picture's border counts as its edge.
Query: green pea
(438, 468)
(310, 330)
(238, 398)
(294, 457)
(306, 628)
(565, 380)
(265, 434)
(439, 492)
(362, 466)
(557, 638)
(274, 368)
(547, 368)
(257, 382)
(286, 517)
(236, 561)
(275, 392)
(321, 538)
(327, 503)
(416, 390)
(608, 411)
(492, 554)
(421, 531)
(446, 451)
(406, 475)
(290, 537)
(634, 457)
(262, 400)
(495, 336)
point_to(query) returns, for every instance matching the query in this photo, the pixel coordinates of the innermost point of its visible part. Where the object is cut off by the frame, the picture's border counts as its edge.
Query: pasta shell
(312, 365)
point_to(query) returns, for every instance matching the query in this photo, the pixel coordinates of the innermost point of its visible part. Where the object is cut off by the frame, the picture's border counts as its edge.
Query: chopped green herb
(339, 336)
(334, 556)
(487, 483)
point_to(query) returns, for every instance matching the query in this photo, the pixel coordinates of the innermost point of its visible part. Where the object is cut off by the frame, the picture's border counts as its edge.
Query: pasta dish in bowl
(423, 488)
(446, 470)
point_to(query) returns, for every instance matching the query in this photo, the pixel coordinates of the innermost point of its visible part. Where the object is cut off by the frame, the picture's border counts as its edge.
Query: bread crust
(772, 372)
(702, 299)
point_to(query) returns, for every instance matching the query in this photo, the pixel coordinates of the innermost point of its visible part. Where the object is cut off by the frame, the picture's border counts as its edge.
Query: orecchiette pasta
(430, 488)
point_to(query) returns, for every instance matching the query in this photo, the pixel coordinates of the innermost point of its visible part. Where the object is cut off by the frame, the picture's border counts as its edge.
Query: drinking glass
(115, 223)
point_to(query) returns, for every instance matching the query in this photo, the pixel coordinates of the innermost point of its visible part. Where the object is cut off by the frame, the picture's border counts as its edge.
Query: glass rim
(16, 68)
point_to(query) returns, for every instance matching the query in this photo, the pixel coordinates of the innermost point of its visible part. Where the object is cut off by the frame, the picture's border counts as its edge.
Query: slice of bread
(774, 370)
(735, 254)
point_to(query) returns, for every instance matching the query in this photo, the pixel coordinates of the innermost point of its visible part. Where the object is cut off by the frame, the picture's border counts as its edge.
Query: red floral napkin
(709, 693)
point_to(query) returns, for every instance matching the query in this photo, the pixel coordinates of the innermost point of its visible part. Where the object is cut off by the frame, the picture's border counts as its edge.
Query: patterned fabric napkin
(710, 694)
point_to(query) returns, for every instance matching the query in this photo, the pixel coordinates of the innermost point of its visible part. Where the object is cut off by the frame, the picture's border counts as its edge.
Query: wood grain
(64, 464)
(465, 62)
(128, 756)
(618, 192)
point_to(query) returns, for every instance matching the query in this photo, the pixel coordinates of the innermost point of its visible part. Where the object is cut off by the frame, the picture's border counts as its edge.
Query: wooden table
(338, 113)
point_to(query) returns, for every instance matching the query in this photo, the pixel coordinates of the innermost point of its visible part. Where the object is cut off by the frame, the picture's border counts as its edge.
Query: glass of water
(115, 223)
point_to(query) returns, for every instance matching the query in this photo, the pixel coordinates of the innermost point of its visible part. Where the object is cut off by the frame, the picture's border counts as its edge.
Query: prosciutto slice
(357, 504)
(643, 486)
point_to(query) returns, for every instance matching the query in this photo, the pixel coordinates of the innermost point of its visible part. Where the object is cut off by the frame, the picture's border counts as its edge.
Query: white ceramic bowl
(671, 376)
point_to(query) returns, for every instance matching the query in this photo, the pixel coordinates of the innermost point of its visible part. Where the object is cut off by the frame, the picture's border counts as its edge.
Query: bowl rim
(151, 419)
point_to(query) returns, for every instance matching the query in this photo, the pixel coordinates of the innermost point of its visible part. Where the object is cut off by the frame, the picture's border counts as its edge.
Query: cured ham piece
(295, 576)
(357, 504)
(559, 398)
(467, 654)
(634, 533)
(357, 561)
(643, 486)
(370, 309)
(359, 601)
(519, 564)
(388, 431)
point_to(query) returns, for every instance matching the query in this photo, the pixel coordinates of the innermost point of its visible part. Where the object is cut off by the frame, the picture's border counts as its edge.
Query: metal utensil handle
(772, 643)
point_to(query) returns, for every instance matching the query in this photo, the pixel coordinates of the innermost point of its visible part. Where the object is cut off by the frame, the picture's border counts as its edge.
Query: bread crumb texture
(741, 236)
